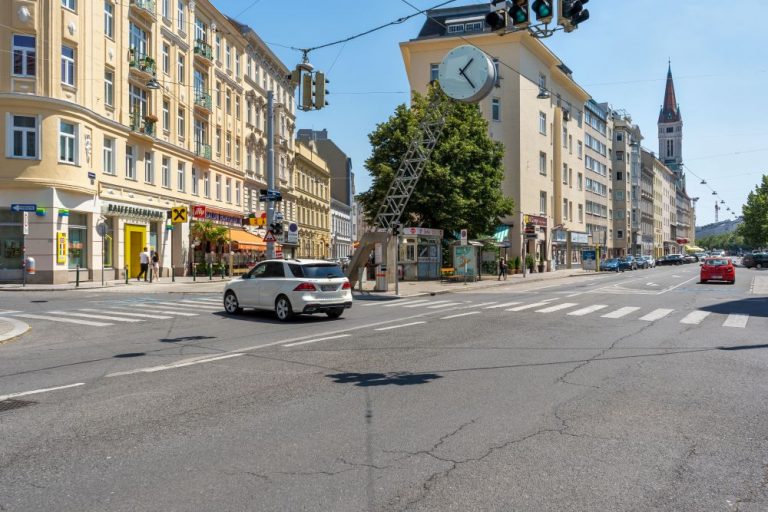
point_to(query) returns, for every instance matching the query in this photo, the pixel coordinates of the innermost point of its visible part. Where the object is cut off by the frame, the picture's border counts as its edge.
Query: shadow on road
(384, 379)
(743, 347)
(186, 338)
(755, 306)
(130, 354)
(268, 317)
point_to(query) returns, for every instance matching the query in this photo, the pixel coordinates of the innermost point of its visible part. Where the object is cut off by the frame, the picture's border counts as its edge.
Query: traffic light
(497, 18)
(396, 229)
(306, 92)
(277, 228)
(543, 10)
(571, 13)
(519, 14)
(320, 82)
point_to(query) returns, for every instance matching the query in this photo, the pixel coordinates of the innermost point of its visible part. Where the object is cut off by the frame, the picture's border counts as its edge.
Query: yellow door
(135, 241)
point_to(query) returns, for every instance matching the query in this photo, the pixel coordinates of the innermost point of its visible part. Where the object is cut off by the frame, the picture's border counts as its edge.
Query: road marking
(447, 304)
(164, 311)
(318, 339)
(677, 285)
(398, 326)
(401, 302)
(651, 284)
(179, 305)
(527, 306)
(656, 314)
(588, 310)
(460, 314)
(557, 307)
(208, 299)
(430, 303)
(736, 320)
(620, 312)
(179, 364)
(481, 304)
(695, 317)
(65, 320)
(503, 305)
(572, 295)
(200, 304)
(8, 311)
(36, 391)
(95, 317)
(138, 315)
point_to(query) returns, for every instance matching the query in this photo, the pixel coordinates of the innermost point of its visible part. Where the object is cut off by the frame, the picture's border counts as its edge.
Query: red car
(718, 269)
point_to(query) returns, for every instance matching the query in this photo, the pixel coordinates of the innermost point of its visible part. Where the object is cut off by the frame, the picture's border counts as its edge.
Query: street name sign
(23, 207)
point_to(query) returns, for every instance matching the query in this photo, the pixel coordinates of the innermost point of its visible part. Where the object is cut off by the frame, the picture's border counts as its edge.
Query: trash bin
(381, 278)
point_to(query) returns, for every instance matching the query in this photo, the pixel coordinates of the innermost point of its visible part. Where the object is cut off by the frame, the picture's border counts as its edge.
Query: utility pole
(270, 168)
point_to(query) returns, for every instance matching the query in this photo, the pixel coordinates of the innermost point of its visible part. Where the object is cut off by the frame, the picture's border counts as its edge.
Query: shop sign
(559, 236)
(61, 247)
(200, 212)
(133, 211)
(536, 220)
(179, 214)
(423, 232)
(579, 238)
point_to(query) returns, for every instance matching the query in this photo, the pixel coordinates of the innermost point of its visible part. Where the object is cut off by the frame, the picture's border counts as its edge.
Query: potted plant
(529, 262)
(541, 261)
(150, 118)
(516, 264)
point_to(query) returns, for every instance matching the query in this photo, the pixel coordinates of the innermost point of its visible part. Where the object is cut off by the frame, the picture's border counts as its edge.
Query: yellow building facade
(312, 186)
(116, 112)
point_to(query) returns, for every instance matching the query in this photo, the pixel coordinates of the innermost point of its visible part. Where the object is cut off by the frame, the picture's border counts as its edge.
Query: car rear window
(716, 263)
(318, 270)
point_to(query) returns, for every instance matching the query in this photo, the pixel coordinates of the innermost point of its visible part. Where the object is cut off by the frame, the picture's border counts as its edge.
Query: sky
(620, 55)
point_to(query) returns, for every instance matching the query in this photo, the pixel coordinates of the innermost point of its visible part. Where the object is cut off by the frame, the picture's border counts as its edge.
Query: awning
(693, 248)
(246, 240)
(501, 233)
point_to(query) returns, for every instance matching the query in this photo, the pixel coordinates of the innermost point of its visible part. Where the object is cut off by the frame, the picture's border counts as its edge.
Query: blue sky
(620, 56)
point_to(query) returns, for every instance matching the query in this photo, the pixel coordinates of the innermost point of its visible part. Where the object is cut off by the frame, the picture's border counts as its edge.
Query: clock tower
(671, 129)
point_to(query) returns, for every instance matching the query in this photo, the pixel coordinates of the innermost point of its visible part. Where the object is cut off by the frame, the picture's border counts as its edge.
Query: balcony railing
(203, 150)
(146, 5)
(141, 61)
(203, 49)
(145, 124)
(203, 99)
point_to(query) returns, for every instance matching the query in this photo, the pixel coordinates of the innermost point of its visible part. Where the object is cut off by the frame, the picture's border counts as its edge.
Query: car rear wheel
(231, 304)
(334, 313)
(283, 309)
(759, 265)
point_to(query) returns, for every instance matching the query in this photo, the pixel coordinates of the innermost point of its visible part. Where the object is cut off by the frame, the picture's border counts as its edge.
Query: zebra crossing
(573, 309)
(121, 312)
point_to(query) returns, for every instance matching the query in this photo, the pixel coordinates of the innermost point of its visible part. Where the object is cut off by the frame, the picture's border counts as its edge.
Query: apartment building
(537, 111)
(664, 205)
(647, 211)
(312, 186)
(604, 203)
(115, 112)
(627, 188)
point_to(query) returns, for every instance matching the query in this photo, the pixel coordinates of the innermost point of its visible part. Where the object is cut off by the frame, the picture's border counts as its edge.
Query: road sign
(279, 217)
(292, 234)
(26, 223)
(179, 214)
(269, 237)
(23, 207)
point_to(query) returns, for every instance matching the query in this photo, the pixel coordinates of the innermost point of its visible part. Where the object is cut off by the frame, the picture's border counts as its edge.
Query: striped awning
(501, 233)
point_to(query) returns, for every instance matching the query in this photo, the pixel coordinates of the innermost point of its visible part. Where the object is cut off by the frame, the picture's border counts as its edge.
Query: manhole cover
(7, 405)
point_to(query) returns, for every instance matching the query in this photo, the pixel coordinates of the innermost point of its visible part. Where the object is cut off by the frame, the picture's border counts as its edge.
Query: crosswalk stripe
(95, 317)
(588, 310)
(209, 299)
(200, 304)
(506, 304)
(620, 312)
(557, 307)
(448, 304)
(460, 314)
(125, 313)
(403, 302)
(736, 320)
(179, 305)
(482, 304)
(65, 320)
(168, 310)
(527, 306)
(426, 303)
(656, 314)
(8, 311)
(694, 317)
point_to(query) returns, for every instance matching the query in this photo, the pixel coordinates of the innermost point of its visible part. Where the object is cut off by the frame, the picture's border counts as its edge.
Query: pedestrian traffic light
(519, 14)
(396, 229)
(497, 18)
(571, 13)
(543, 10)
(320, 90)
(277, 228)
(306, 92)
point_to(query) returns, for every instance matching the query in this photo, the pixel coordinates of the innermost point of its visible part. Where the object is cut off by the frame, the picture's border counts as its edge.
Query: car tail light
(346, 285)
(305, 287)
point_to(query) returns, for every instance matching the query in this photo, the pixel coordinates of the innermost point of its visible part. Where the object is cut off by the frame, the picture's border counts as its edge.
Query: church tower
(671, 129)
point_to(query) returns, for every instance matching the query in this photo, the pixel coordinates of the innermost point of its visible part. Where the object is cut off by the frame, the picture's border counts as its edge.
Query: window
(496, 66)
(109, 19)
(237, 150)
(77, 240)
(200, 30)
(619, 195)
(218, 94)
(542, 81)
(166, 58)
(496, 109)
(167, 9)
(24, 55)
(570, 210)
(149, 169)
(237, 193)
(207, 184)
(565, 209)
(542, 163)
(180, 175)
(181, 123)
(619, 176)
(68, 65)
(228, 190)
(166, 115)
(670, 148)
(565, 137)
(434, 72)
(67, 142)
(237, 107)
(109, 88)
(565, 174)
(130, 163)
(69, 4)
(237, 64)
(580, 181)
(218, 47)
(108, 156)
(180, 69)
(670, 129)
(570, 177)
(619, 156)
(619, 234)
(218, 187)
(455, 29)
(228, 106)
(195, 186)
(249, 67)
(166, 172)
(248, 111)
(542, 123)
(619, 136)
(180, 18)
(228, 147)
(579, 149)
(227, 56)
(581, 213)
(138, 100)
(543, 202)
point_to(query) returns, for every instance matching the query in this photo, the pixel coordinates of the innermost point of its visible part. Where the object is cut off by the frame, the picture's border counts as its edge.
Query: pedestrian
(502, 268)
(144, 261)
(155, 265)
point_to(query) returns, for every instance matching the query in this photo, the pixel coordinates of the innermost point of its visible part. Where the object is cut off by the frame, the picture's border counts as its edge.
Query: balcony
(145, 8)
(141, 62)
(204, 51)
(203, 100)
(203, 150)
(143, 125)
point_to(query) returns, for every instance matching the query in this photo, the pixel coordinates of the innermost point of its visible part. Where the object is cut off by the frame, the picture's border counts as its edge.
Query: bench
(449, 275)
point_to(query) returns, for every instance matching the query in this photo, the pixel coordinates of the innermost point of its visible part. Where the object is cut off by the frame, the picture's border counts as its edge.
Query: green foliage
(755, 226)
(461, 184)
(208, 232)
(516, 263)
(726, 241)
(529, 261)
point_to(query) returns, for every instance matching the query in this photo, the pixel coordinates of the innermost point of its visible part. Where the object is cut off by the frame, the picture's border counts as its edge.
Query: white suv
(290, 287)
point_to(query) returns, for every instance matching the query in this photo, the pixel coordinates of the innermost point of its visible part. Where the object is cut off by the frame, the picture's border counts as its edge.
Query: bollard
(126, 274)
(77, 277)
(194, 272)
(149, 271)
(173, 275)
(222, 273)
(210, 272)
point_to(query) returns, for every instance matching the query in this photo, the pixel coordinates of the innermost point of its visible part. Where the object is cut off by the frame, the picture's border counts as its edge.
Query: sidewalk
(163, 285)
(11, 328)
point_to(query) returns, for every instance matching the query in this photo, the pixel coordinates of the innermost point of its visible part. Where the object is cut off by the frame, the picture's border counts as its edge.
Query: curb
(19, 328)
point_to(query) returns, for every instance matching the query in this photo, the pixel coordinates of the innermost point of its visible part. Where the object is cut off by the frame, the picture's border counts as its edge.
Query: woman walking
(502, 269)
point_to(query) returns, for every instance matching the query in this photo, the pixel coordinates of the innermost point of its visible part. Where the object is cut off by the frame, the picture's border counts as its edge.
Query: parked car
(718, 269)
(290, 287)
(700, 255)
(671, 259)
(759, 260)
(689, 258)
(642, 262)
(611, 264)
(627, 263)
(650, 260)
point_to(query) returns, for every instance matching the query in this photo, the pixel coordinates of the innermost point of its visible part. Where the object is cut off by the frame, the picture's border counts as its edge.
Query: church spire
(670, 111)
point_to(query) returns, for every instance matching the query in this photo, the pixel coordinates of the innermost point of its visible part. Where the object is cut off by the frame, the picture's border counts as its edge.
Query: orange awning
(246, 240)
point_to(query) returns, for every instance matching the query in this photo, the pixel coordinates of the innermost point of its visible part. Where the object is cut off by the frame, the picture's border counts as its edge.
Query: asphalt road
(635, 391)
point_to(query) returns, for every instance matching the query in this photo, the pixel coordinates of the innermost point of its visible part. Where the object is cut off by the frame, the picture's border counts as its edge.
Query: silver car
(289, 288)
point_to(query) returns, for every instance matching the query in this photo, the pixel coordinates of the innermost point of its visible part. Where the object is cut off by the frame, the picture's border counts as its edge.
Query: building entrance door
(135, 241)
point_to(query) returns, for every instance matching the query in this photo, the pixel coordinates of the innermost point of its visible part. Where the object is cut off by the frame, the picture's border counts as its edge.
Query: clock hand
(461, 72)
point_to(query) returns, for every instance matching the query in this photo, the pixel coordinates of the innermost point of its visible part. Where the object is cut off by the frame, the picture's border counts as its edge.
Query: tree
(754, 229)
(461, 184)
(209, 234)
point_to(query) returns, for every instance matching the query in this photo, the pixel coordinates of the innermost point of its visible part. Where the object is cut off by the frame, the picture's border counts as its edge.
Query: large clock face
(467, 74)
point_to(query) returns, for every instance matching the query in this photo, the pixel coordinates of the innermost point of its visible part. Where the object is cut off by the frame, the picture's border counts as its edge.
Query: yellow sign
(179, 214)
(61, 247)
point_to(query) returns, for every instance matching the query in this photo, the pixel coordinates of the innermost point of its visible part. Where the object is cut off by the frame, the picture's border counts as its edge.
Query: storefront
(247, 250)
(11, 245)
(209, 251)
(124, 231)
(420, 257)
(579, 242)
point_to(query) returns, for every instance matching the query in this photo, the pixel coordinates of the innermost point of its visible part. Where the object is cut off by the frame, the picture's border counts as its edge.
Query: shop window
(11, 240)
(78, 240)
(108, 249)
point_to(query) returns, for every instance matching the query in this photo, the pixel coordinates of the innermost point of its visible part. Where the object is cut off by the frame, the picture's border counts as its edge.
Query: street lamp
(153, 84)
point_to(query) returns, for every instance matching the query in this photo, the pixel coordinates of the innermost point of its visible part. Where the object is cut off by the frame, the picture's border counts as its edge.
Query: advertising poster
(61, 247)
(464, 260)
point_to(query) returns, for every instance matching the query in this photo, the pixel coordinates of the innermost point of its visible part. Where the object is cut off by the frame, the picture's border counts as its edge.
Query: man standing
(144, 260)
